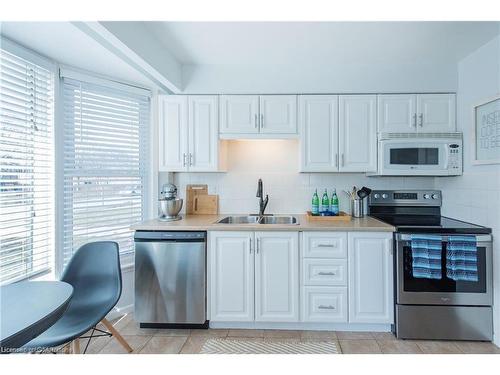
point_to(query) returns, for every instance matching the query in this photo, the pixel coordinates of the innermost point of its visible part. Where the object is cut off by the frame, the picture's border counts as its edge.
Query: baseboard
(119, 311)
(357, 327)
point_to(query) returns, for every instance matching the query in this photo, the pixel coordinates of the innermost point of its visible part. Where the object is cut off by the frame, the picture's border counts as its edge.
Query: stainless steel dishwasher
(170, 279)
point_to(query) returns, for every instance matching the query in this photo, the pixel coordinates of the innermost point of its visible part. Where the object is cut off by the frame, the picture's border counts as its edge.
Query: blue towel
(461, 258)
(426, 254)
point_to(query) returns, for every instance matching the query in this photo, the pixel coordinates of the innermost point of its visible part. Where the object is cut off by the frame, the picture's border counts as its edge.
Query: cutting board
(191, 192)
(206, 204)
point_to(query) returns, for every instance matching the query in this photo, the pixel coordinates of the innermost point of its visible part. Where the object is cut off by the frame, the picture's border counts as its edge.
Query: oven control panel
(405, 198)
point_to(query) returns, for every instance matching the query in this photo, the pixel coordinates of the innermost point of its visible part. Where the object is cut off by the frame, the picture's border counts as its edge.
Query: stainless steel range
(435, 299)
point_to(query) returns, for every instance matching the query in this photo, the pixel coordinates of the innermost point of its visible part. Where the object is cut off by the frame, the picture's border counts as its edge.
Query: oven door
(413, 156)
(444, 291)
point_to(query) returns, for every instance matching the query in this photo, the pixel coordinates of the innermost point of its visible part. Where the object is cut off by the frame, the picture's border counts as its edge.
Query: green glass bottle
(325, 202)
(315, 203)
(334, 204)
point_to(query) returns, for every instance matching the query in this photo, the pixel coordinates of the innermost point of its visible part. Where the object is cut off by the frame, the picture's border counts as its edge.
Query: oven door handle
(479, 238)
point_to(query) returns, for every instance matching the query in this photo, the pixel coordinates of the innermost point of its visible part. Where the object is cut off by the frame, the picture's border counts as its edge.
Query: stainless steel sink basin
(287, 220)
(239, 220)
(282, 220)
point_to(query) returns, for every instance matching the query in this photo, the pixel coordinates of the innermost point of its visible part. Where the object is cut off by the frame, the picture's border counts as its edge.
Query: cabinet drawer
(324, 304)
(324, 272)
(324, 245)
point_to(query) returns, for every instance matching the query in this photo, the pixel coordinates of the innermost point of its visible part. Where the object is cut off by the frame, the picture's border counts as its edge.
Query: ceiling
(65, 43)
(272, 43)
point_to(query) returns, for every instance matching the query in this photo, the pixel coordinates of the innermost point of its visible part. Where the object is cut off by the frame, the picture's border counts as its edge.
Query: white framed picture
(487, 132)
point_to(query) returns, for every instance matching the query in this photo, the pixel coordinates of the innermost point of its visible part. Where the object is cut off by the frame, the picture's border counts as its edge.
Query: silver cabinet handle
(184, 159)
(261, 120)
(326, 307)
(414, 120)
(258, 246)
(190, 159)
(256, 125)
(325, 245)
(421, 118)
(326, 273)
(250, 246)
(336, 160)
(343, 160)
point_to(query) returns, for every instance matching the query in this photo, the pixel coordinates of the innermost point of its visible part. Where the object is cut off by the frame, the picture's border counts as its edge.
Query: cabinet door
(278, 114)
(239, 114)
(436, 113)
(358, 133)
(370, 278)
(397, 113)
(277, 277)
(231, 276)
(173, 133)
(319, 128)
(203, 133)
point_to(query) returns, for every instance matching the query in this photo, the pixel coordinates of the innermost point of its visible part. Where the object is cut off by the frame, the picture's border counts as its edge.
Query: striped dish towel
(426, 254)
(461, 258)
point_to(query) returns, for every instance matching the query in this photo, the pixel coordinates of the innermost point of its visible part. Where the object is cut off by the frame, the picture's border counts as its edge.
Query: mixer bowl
(170, 208)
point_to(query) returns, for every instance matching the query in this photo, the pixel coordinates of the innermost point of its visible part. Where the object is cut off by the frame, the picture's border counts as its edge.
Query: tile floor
(170, 341)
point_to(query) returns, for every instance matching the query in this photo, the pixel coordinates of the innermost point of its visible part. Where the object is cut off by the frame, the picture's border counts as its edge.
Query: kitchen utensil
(206, 205)
(357, 208)
(191, 192)
(364, 192)
(170, 208)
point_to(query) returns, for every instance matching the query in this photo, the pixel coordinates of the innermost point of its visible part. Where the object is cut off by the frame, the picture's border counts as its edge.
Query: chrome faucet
(262, 202)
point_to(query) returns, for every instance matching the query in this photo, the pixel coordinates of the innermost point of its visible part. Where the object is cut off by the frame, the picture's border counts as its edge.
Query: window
(26, 168)
(105, 163)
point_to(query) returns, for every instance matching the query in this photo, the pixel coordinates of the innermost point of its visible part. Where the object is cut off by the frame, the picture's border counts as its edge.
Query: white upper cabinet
(357, 133)
(318, 119)
(231, 276)
(189, 134)
(239, 114)
(370, 278)
(397, 113)
(424, 113)
(173, 133)
(278, 114)
(277, 277)
(436, 113)
(203, 133)
(254, 116)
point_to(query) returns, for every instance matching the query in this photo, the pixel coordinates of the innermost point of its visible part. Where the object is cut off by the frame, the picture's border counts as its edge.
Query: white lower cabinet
(342, 277)
(277, 277)
(254, 276)
(370, 278)
(231, 289)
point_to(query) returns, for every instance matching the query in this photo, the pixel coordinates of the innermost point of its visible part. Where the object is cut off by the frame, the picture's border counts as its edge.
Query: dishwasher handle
(154, 236)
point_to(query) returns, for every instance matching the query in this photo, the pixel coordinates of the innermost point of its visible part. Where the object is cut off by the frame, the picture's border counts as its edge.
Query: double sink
(255, 219)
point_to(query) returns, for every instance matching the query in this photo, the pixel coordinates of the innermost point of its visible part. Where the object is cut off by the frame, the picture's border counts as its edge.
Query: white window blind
(26, 168)
(105, 161)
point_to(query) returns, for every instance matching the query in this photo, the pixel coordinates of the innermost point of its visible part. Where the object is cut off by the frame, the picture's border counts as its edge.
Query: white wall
(475, 196)
(277, 162)
(317, 78)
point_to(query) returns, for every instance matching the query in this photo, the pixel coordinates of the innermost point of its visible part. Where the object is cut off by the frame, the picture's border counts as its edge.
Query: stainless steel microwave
(401, 154)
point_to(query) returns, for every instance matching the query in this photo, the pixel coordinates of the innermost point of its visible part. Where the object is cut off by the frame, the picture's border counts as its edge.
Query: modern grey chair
(95, 274)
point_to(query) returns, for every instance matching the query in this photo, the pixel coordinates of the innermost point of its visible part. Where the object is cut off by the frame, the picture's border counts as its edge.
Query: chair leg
(76, 346)
(115, 333)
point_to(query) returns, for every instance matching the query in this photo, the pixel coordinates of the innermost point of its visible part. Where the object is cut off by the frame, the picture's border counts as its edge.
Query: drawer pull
(325, 245)
(326, 273)
(326, 307)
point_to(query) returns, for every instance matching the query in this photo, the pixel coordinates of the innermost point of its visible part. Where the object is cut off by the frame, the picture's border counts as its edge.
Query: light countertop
(208, 223)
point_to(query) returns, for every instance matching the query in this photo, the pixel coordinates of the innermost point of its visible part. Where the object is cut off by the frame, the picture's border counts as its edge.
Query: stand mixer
(169, 204)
